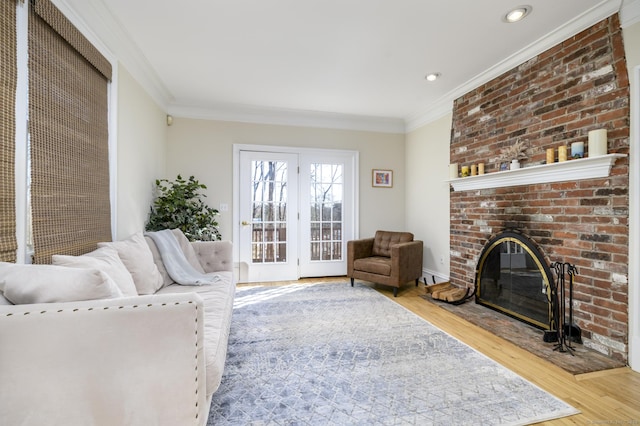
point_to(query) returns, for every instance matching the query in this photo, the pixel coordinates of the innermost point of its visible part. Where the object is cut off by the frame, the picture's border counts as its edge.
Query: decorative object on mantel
(513, 153)
(474, 170)
(480, 168)
(551, 155)
(453, 170)
(562, 154)
(597, 143)
(577, 150)
(583, 168)
(464, 171)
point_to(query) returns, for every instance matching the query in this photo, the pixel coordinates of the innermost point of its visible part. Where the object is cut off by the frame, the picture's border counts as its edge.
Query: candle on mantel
(474, 170)
(551, 155)
(597, 143)
(453, 171)
(577, 150)
(562, 153)
(480, 168)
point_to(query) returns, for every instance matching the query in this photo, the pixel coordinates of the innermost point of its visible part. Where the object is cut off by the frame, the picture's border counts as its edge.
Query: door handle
(245, 223)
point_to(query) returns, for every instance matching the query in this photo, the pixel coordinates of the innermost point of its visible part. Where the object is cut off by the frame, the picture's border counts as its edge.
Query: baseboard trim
(432, 276)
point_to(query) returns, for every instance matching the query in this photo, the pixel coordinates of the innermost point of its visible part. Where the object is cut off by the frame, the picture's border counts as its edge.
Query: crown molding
(86, 30)
(99, 25)
(629, 13)
(289, 117)
(433, 112)
(96, 22)
(597, 13)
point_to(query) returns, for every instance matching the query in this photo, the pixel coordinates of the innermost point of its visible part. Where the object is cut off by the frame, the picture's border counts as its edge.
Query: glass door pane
(327, 191)
(269, 201)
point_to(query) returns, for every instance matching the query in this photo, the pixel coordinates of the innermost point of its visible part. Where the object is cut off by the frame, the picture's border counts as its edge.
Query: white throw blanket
(175, 262)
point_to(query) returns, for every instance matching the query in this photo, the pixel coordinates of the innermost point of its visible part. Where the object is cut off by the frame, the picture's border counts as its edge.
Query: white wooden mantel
(584, 168)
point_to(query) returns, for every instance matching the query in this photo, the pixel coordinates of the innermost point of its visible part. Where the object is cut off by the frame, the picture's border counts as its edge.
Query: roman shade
(8, 78)
(68, 129)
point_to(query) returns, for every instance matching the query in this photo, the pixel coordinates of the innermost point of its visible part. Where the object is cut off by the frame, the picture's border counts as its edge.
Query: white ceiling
(361, 59)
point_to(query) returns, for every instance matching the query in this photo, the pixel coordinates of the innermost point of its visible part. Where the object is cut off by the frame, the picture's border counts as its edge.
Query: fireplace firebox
(512, 277)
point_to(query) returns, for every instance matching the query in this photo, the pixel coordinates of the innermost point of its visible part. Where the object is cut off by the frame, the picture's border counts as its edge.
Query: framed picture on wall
(382, 178)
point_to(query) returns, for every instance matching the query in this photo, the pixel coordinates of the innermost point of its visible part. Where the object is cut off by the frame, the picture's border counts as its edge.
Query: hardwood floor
(610, 397)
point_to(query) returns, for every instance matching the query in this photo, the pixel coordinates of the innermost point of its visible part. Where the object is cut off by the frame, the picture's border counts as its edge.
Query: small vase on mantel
(515, 164)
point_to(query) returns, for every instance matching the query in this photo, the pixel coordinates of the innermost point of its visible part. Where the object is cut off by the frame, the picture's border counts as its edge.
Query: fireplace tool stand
(567, 331)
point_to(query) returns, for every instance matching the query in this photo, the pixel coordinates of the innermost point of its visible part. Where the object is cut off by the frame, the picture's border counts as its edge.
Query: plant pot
(515, 164)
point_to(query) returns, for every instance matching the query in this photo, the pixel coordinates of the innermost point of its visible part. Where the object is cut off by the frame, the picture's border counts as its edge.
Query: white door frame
(285, 149)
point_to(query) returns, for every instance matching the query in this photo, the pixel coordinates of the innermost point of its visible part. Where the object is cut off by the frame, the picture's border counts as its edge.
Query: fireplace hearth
(512, 277)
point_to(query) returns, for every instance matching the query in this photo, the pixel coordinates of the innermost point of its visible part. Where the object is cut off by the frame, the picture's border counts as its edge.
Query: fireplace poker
(562, 269)
(553, 335)
(575, 334)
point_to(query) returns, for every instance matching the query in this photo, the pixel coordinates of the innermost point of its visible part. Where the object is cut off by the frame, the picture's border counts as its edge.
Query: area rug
(332, 354)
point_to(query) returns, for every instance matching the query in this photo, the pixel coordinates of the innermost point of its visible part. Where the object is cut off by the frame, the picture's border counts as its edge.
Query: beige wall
(204, 148)
(631, 36)
(428, 193)
(141, 149)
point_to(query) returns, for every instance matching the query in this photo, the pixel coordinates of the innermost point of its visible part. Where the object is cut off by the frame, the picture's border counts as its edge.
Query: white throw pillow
(4, 300)
(105, 259)
(22, 284)
(136, 256)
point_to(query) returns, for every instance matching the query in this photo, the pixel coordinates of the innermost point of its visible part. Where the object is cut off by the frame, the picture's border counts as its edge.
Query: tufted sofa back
(385, 239)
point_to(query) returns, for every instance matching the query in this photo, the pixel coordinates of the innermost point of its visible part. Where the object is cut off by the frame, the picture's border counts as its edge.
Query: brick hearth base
(529, 338)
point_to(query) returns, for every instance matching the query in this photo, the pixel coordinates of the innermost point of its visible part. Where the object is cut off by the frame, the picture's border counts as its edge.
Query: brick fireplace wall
(554, 99)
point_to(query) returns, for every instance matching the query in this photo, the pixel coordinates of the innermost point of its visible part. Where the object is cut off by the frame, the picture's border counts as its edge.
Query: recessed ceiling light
(517, 14)
(433, 76)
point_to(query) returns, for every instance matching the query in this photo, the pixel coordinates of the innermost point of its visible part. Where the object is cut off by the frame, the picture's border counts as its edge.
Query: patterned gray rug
(330, 354)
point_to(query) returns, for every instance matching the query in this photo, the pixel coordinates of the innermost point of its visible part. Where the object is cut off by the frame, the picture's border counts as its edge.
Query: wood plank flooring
(609, 397)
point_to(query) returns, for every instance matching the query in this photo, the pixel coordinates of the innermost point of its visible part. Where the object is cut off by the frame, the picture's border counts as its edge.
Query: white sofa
(145, 359)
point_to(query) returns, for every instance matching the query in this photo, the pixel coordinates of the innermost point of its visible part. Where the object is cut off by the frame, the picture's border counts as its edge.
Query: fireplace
(549, 101)
(512, 277)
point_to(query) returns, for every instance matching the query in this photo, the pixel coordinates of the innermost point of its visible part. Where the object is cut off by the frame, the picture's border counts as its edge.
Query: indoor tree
(179, 204)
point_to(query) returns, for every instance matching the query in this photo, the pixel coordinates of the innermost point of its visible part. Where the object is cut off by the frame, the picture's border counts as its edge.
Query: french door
(268, 211)
(296, 212)
(326, 211)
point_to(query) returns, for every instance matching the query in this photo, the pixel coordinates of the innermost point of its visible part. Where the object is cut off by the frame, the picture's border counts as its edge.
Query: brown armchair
(391, 258)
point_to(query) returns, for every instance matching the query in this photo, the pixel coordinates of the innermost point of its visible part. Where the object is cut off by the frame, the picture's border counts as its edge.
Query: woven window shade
(68, 128)
(8, 77)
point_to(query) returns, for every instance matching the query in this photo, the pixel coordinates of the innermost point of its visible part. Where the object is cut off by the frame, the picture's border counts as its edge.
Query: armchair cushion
(375, 264)
(385, 239)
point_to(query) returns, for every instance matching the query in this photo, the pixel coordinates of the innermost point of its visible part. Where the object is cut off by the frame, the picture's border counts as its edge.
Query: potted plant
(180, 204)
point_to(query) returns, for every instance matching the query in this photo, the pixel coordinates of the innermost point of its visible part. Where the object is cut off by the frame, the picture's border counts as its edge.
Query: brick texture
(554, 99)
